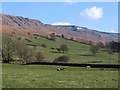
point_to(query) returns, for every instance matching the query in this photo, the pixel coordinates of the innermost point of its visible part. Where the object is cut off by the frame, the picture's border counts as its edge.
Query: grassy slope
(74, 50)
(41, 76)
(38, 76)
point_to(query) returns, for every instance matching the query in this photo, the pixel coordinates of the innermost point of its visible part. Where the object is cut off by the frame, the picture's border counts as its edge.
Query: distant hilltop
(24, 26)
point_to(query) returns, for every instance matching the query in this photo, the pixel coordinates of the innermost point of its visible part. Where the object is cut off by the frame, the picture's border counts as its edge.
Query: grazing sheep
(88, 67)
(58, 69)
(63, 68)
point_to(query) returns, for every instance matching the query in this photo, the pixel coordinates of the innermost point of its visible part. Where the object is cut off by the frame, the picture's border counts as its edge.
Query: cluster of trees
(14, 48)
(18, 48)
(111, 47)
(114, 46)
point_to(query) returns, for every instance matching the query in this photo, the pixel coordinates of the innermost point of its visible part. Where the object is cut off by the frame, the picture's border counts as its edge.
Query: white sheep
(58, 69)
(88, 67)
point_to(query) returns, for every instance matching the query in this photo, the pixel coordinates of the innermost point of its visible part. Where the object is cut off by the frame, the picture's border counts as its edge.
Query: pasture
(45, 76)
(78, 52)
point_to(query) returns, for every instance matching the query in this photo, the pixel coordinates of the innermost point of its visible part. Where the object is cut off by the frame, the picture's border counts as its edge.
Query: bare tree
(61, 59)
(110, 52)
(64, 48)
(25, 52)
(39, 57)
(8, 48)
(94, 49)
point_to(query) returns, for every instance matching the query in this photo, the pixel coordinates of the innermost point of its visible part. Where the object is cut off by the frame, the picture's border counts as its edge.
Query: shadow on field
(104, 50)
(85, 54)
(54, 51)
(96, 61)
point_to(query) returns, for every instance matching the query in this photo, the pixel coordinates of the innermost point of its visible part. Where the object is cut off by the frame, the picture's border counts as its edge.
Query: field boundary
(77, 64)
(60, 88)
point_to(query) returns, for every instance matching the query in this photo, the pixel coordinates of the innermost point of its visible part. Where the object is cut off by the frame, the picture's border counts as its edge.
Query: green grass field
(45, 76)
(74, 50)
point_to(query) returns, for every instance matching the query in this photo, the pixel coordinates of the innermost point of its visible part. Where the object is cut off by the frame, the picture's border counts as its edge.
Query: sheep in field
(88, 67)
(58, 69)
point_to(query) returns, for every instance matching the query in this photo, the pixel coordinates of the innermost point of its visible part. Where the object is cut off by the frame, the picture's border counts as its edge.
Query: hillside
(90, 34)
(32, 37)
(21, 26)
(78, 53)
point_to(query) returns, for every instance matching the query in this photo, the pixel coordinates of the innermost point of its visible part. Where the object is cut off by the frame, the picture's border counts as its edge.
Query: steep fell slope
(23, 26)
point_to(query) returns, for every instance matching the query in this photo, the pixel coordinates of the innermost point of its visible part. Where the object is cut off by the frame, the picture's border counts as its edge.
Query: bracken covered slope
(24, 26)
